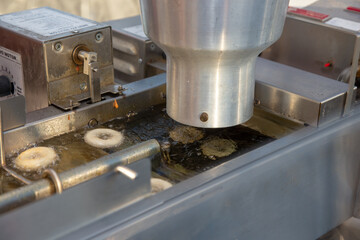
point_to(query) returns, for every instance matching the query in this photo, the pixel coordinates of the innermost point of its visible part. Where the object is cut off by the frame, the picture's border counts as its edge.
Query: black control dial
(6, 86)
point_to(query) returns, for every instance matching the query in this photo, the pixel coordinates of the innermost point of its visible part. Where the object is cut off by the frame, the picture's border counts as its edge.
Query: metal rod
(2, 149)
(127, 172)
(17, 176)
(44, 188)
(55, 178)
(354, 67)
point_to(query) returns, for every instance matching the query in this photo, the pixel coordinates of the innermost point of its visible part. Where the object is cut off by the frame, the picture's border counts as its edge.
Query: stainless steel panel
(308, 45)
(298, 187)
(13, 112)
(132, 50)
(297, 94)
(44, 188)
(93, 200)
(34, 79)
(211, 48)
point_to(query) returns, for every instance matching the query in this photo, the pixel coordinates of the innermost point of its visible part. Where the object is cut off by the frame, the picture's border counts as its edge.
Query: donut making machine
(276, 85)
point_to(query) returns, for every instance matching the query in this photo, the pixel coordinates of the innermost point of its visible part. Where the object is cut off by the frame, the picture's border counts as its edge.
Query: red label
(308, 14)
(354, 9)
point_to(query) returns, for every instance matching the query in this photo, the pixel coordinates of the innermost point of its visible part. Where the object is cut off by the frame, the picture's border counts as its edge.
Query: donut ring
(158, 185)
(35, 158)
(186, 134)
(104, 138)
(218, 147)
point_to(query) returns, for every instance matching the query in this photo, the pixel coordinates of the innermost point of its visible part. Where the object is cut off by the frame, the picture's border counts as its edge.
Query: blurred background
(99, 10)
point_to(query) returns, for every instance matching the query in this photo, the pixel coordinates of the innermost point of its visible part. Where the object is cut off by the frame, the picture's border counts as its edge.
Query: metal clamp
(127, 172)
(52, 174)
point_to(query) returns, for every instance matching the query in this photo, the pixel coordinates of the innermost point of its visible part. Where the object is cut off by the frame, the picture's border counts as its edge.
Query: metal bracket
(91, 68)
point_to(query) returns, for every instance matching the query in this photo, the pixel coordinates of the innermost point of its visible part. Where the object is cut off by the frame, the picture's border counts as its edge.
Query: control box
(39, 57)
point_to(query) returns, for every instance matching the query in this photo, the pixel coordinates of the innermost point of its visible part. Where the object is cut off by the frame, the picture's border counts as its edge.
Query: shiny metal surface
(50, 122)
(61, 214)
(55, 179)
(308, 45)
(297, 94)
(133, 51)
(211, 47)
(14, 108)
(2, 154)
(44, 188)
(50, 75)
(91, 68)
(126, 172)
(297, 187)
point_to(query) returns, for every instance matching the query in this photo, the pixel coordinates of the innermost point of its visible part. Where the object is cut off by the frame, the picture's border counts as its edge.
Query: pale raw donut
(104, 138)
(158, 185)
(35, 158)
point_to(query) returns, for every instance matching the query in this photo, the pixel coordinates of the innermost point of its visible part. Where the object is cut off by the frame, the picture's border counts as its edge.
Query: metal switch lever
(91, 68)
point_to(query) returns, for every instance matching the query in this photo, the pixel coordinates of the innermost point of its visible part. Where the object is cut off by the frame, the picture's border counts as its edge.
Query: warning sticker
(45, 22)
(343, 23)
(11, 68)
(137, 30)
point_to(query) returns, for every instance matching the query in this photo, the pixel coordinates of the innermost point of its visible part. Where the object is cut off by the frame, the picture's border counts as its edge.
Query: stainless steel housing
(211, 47)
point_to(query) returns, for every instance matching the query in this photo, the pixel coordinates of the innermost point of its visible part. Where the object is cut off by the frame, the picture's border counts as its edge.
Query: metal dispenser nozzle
(211, 48)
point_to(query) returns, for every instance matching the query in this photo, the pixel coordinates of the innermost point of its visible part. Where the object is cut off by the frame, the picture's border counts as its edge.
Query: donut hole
(104, 136)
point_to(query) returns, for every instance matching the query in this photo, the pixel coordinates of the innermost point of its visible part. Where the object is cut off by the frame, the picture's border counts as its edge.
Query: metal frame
(298, 187)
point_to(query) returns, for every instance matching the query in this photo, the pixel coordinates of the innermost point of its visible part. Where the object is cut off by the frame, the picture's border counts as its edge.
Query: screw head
(58, 46)
(83, 86)
(204, 117)
(98, 36)
(92, 122)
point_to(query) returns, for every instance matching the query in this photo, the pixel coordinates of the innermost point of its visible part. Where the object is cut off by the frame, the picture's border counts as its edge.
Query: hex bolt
(98, 36)
(204, 117)
(58, 46)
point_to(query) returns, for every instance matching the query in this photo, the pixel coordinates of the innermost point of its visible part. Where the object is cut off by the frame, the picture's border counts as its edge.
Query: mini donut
(158, 185)
(35, 158)
(218, 147)
(186, 134)
(104, 138)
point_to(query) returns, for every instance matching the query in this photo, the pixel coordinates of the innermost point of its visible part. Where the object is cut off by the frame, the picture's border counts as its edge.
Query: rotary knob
(6, 86)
